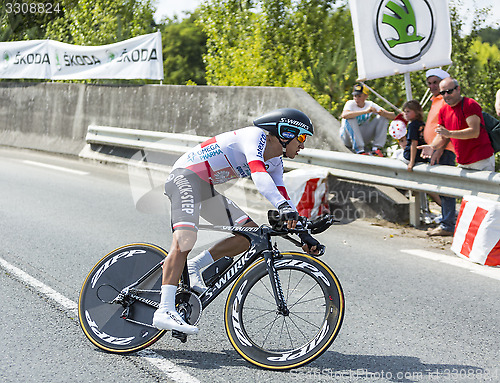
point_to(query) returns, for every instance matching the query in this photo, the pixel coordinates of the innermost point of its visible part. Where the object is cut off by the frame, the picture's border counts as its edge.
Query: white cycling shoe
(171, 320)
(195, 278)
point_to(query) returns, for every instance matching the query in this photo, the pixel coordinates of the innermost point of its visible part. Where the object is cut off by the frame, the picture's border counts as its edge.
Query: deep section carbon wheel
(279, 341)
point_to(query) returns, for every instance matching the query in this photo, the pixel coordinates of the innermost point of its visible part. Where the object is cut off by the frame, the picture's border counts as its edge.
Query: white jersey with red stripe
(238, 154)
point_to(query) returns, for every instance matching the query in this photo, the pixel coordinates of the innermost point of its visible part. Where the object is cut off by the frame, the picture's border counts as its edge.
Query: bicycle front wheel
(122, 325)
(271, 340)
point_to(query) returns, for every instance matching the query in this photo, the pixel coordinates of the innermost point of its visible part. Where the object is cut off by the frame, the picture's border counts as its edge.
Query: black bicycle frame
(260, 243)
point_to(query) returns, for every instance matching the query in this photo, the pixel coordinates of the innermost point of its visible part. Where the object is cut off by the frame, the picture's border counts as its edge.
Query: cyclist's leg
(221, 211)
(183, 189)
(231, 246)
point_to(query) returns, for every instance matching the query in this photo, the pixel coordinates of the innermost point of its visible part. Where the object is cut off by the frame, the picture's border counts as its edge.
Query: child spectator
(397, 130)
(412, 111)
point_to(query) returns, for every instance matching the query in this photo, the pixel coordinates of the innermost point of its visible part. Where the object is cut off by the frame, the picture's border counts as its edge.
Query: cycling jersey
(227, 156)
(235, 154)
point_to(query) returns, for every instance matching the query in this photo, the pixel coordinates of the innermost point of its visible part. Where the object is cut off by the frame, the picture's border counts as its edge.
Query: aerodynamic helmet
(286, 124)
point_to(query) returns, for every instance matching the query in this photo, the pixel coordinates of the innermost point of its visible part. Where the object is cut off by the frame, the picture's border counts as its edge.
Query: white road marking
(168, 368)
(485, 271)
(49, 292)
(54, 167)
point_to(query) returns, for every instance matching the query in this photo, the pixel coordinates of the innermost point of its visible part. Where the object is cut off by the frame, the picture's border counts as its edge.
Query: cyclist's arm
(253, 149)
(265, 184)
(276, 170)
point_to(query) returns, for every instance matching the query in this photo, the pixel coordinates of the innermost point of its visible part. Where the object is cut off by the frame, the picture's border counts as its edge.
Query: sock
(374, 149)
(167, 300)
(202, 260)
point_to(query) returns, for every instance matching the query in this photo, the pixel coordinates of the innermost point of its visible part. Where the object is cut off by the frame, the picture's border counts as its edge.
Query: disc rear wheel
(122, 323)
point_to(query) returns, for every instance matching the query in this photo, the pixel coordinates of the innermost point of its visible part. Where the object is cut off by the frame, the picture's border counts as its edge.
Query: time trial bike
(284, 309)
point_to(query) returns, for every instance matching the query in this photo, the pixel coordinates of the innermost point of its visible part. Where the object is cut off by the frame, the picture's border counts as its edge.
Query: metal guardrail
(444, 180)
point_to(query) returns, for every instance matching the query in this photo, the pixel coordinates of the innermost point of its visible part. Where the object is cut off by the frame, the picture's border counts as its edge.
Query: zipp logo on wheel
(404, 29)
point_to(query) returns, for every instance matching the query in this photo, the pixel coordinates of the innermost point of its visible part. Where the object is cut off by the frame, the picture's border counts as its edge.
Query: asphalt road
(414, 312)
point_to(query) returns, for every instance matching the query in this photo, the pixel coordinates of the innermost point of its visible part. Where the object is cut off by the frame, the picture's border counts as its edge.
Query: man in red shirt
(441, 156)
(461, 121)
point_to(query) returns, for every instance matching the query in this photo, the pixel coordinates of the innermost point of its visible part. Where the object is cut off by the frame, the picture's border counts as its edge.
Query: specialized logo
(293, 122)
(404, 29)
(221, 282)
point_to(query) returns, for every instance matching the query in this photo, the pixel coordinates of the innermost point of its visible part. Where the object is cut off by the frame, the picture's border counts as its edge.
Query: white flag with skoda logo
(400, 36)
(136, 58)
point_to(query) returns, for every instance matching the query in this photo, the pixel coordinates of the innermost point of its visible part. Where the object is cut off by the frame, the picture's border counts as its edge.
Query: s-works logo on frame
(404, 29)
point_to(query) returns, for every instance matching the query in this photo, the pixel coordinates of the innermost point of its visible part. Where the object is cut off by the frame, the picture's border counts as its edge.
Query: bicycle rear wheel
(274, 341)
(106, 324)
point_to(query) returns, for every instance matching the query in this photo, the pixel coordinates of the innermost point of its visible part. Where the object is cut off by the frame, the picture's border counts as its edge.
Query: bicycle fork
(269, 256)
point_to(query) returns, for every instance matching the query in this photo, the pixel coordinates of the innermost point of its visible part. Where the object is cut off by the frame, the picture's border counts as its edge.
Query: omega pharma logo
(404, 29)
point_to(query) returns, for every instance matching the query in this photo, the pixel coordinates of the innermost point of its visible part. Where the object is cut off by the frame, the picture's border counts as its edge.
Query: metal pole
(408, 86)
(382, 98)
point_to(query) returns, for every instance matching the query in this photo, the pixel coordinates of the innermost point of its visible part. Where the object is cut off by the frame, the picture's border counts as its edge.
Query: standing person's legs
(448, 204)
(350, 133)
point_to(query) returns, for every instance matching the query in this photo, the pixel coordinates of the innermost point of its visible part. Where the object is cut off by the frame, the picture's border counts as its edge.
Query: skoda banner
(400, 36)
(137, 58)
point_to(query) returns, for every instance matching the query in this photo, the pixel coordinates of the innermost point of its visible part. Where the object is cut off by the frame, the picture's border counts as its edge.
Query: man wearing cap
(441, 156)
(364, 122)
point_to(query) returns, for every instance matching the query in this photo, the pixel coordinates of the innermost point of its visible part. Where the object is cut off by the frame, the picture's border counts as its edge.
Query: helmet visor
(301, 138)
(289, 132)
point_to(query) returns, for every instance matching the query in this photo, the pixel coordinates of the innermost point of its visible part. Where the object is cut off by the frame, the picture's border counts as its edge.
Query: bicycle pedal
(179, 335)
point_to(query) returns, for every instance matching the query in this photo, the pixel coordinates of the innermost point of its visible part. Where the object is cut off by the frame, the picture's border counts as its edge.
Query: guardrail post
(415, 198)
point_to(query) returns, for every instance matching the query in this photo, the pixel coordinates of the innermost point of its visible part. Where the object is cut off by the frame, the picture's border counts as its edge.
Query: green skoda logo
(404, 29)
(6, 58)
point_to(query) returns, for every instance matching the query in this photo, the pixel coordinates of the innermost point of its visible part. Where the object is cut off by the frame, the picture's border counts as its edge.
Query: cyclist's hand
(311, 245)
(288, 215)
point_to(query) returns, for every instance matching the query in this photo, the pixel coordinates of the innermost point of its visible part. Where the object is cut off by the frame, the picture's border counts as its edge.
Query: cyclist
(255, 151)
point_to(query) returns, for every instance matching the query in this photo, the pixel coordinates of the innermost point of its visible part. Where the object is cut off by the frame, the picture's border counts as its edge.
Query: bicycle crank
(189, 307)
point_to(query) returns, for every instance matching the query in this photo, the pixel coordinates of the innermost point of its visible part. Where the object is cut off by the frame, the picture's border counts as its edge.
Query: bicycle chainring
(189, 306)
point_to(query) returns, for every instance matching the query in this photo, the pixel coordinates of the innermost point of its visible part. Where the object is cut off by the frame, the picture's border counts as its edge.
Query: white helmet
(397, 129)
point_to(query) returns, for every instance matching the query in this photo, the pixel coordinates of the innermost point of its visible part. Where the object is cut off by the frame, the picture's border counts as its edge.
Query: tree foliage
(184, 45)
(99, 22)
(300, 43)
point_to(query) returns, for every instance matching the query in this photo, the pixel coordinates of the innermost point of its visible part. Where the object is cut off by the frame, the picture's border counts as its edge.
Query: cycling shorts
(192, 197)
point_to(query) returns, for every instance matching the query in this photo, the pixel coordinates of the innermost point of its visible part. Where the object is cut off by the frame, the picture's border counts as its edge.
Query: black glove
(309, 240)
(287, 213)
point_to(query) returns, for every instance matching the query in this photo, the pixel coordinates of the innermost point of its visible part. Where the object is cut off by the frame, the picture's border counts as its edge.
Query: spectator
(364, 122)
(397, 129)
(441, 156)
(415, 137)
(461, 121)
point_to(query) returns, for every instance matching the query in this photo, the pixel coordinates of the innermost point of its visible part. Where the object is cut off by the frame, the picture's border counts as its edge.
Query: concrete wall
(55, 116)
